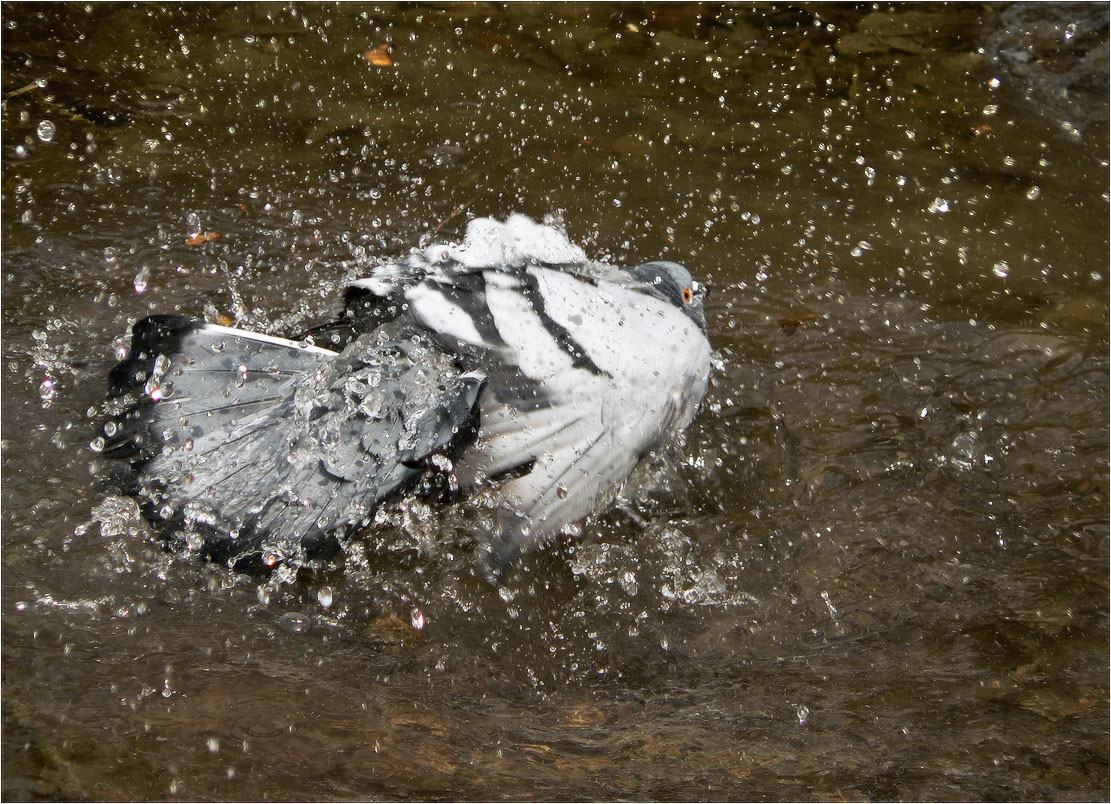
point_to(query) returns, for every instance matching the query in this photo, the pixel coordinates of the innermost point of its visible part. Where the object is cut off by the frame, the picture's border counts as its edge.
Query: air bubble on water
(46, 131)
(213, 744)
(938, 206)
(324, 596)
(1001, 269)
(990, 109)
(194, 542)
(628, 583)
(97, 444)
(416, 617)
(1033, 192)
(296, 218)
(802, 713)
(142, 280)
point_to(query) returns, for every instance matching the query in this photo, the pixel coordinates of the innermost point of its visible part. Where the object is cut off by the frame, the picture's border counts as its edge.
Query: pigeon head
(673, 282)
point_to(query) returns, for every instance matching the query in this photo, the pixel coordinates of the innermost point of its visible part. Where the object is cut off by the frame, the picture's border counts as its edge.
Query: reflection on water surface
(877, 568)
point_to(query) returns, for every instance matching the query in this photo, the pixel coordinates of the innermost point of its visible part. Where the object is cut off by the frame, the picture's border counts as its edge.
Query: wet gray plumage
(555, 379)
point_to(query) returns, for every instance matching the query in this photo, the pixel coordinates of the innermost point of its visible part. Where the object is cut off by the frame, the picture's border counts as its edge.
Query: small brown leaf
(379, 57)
(224, 320)
(196, 240)
(792, 322)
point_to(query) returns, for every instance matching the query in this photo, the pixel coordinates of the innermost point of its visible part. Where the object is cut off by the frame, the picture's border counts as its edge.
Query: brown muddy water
(876, 569)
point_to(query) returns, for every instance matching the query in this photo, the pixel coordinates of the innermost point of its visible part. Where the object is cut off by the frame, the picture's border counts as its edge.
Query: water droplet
(213, 744)
(193, 224)
(46, 131)
(294, 622)
(48, 391)
(416, 617)
(97, 444)
(802, 712)
(142, 280)
(324, 596)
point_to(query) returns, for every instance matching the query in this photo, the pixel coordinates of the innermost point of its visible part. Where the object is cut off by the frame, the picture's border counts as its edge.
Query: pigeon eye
(687, 295)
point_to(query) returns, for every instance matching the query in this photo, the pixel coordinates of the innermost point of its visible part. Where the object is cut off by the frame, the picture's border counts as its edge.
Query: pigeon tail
(264, 446)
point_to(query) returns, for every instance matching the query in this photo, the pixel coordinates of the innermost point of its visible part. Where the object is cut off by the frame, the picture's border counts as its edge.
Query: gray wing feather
(257, 442)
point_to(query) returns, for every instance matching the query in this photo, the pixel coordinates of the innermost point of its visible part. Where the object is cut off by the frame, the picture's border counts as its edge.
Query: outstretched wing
(258, 442)
(585, 376)
(620, 371)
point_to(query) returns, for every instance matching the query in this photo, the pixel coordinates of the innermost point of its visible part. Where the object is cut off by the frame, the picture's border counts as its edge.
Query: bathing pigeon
(509, 359)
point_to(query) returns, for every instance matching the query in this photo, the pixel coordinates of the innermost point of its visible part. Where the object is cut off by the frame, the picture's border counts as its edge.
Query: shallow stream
(876, 569)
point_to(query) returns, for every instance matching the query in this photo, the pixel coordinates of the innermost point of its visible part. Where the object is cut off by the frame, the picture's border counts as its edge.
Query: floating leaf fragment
(392, 629)
(792, 322)
(203, 237)
(379, 57)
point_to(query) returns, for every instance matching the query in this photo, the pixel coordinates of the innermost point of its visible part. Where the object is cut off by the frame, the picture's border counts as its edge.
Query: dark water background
(878, 567)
